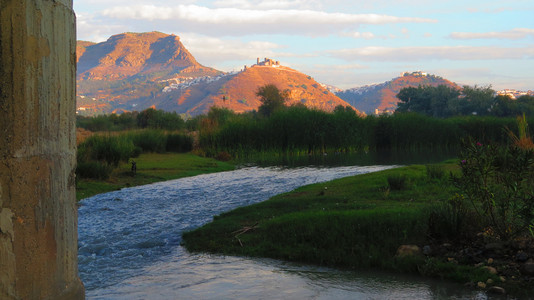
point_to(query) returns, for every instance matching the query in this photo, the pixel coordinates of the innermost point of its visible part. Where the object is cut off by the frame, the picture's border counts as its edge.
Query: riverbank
(362, 222)
(152, 167)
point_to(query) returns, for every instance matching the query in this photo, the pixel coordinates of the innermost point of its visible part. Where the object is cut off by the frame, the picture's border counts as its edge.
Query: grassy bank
(151, 167)
(353, 222)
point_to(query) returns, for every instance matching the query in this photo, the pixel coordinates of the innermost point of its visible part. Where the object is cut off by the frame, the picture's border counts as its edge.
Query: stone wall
(38, 216)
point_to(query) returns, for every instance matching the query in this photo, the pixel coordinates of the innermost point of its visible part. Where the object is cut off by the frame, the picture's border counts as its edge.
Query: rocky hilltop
(383, 97)
(152, 55)
(238, 91)
(135, 71)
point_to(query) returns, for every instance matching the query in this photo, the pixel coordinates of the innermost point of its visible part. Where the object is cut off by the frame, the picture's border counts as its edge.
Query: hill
(135, 71)
(383, 96)
(238, 91)
(131, 66)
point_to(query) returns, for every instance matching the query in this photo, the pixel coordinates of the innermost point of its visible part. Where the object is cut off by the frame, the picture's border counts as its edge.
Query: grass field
(152, 167)
(353, 222)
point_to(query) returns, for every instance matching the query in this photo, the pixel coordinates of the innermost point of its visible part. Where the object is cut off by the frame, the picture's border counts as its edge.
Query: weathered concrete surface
(38, 217)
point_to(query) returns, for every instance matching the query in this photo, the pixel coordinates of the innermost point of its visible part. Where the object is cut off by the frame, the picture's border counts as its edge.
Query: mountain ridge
(135, 71)
(382, 97)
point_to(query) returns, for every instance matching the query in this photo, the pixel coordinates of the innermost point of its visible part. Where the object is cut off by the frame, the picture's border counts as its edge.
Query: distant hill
(383, 96)
(135, 71)
(238, 91)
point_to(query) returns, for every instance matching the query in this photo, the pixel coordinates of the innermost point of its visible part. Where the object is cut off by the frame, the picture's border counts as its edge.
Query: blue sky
(341, 43)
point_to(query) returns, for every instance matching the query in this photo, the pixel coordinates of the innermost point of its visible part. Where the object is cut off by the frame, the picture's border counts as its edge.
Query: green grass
(152, 167)
(349, 223)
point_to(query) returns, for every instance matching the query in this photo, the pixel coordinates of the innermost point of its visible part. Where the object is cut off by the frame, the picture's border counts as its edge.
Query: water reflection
(362, 158)
(216, 277)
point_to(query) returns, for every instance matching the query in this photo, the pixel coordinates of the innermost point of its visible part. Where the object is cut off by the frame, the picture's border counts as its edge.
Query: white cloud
(239, 21)
(359, 35)
(214, 51)
(91, 30)
(432, 53)
(199, 14)
(268, 4)
(514, 34)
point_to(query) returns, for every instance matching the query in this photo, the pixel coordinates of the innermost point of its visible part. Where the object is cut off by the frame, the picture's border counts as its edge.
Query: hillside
(135, 71)
(131, 66)
(238, 91)
(383, 96)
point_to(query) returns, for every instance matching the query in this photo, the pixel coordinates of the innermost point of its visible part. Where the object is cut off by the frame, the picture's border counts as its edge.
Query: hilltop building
(417, 73)
(267, 62)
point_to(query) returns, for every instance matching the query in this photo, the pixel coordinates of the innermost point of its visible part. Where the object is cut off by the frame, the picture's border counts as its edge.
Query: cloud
(268, 4)
(514, 34)
(432, 53)
(214, 51)
(359, 35)
(88, 28)
(239, 21)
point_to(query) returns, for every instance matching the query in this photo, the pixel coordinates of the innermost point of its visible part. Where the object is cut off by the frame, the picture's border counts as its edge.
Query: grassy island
(360, 222)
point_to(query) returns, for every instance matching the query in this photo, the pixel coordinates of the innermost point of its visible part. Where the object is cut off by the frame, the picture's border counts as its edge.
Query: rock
(494, 246)
(427, 250)
(497, 290)
(528, 267)
(521, 256)
(491, 270)
(489, 281)
(408, 250)
(481, 285)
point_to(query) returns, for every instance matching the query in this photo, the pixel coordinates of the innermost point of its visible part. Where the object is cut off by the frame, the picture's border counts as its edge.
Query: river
(129, 245)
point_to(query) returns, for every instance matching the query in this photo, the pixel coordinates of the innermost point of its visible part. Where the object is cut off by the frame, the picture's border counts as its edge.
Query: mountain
(237, 91)
(131, 66)
(383, 96)
(135, 71)
(151, 55)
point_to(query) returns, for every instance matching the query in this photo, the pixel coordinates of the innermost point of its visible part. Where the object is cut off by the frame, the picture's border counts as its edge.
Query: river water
(129, 245)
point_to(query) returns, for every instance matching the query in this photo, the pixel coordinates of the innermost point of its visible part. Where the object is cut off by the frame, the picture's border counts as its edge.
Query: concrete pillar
(38, 216)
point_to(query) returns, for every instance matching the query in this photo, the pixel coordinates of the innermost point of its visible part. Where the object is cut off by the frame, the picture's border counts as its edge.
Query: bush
(109, 149)
(499, 182)
(434, 172)
(179, 143)
(223, 156)
(448, 220)
(149, 140)
(93, 170)
(397, 182)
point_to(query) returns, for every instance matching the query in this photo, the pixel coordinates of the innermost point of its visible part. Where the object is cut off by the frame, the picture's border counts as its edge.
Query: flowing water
(129, 245)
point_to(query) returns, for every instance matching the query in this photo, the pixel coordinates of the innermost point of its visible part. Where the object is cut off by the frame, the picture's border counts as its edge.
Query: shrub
(223, 156)
(447, 220)
(434, 172)
(499, 182)
(397, 182)
(149, 140)
(179, 143)
(109, 149)
(93, 170)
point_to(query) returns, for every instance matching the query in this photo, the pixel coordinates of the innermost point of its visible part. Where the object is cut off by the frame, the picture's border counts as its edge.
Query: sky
(342, 43)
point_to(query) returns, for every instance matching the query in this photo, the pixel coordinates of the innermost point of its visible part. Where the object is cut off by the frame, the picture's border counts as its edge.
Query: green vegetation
(98, 155)
(444, 101)
(148, 118)
(338, 224)
(298, 130)
(151, 167)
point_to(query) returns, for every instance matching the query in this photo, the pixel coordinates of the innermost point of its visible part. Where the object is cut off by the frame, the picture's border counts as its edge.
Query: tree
(427, 100)
(479, 99)
(272, 99)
